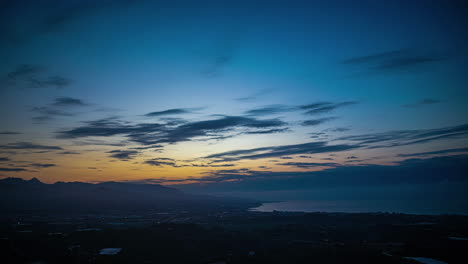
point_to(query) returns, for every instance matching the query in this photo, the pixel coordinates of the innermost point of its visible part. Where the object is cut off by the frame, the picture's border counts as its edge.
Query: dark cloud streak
(427, 101)
(437, 152)
(123, 154)
(408, 137)
(324, 107)
(316, 122)
(28, 145)
(391, 61)
(278, 151)
(156, 133)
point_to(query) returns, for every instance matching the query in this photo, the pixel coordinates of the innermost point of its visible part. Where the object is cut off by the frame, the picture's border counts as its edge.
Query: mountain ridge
(17, 194)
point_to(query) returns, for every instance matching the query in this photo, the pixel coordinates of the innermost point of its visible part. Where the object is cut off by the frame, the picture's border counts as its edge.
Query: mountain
(18, 195)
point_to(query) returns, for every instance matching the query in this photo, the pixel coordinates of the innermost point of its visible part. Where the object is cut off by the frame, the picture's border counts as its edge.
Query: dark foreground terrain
(232, 237)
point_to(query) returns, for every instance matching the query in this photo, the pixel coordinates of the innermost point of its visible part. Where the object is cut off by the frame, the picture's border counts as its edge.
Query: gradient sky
(213, 92)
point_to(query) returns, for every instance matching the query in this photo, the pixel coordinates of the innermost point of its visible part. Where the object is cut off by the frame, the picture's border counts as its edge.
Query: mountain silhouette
(18, 195)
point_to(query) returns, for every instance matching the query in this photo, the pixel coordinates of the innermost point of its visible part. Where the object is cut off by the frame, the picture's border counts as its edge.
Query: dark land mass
(222, 231)
(18, 195)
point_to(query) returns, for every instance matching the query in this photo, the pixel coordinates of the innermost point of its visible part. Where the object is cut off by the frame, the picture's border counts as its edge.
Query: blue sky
(260, 86)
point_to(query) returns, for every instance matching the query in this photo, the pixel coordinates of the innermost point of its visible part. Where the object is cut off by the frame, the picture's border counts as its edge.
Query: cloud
(26, 21)
(310, 109)
(269, 110)
(123, 154)
(175, 111)
(254, 96)
(215, 128)
(68, 13)
(159, 162)
(56, 108)
(34, 76)
(376, 57)
(156, 147)
(47, 112)
(41, 119)
(42, 165)
(323, 107)
(24, 71)
(105, 127)
(68, 153)
(443, 151)
(68, 101)
(4, 159)
(213, 165)
(269, 131)
(306, 165)
(9, 133)
(337, 129)
(389, 61)
(216, 176)
(222, 54)
(12, 169)
(156, 133)
(97, 142)
(218, 63)
(411, 171)
(28, 145)
(423, 102)
(318, 135)
(315, 122)
(278, 151)
(51, 81)
(408, 137)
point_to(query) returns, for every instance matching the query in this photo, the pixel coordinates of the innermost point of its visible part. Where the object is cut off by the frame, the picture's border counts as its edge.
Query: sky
(234, 96)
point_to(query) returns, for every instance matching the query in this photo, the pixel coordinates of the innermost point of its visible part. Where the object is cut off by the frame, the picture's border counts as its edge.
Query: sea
(356, 207)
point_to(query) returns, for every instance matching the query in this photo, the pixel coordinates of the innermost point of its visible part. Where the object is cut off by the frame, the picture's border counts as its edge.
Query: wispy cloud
(12, 169)
(34, 76)
(123, 154)
(68, 153)
(68, 101)
(278, 151)
(258, 95)
(175, 111)
(324, 107)
(66, 14)
(437, 152)
(269, 131)
(42, 165)
(306, 165)
(308, 109)
(159, 162)
(48, 111)
(337, 129)
(62, 106)
(56, 18)
(157, 133)
(269, 110)
(412, 171)
(28, 145)
(408, 137)
(427, 101)
(316, 122)
(9, 133)
(390, 61)
(222, 55)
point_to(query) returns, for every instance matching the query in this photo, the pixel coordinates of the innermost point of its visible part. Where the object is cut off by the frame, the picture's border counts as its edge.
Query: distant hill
(18, 195)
